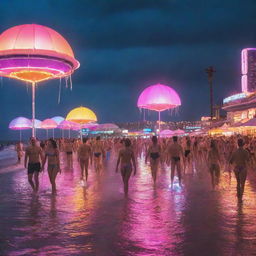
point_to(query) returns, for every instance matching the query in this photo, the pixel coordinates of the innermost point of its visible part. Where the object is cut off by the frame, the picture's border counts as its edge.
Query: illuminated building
(242, 106)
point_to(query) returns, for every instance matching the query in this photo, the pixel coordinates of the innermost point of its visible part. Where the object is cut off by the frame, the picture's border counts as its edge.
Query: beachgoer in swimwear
(52, 155)
(214, 163)
(19, 150)
(175, 153)
(240, 159)
(154, 153)
(98, 154)
(127, 159)
(84, 154)
(33, 159)
(69, 153)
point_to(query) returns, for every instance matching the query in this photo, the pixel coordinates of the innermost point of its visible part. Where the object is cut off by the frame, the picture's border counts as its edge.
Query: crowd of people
(185, 155)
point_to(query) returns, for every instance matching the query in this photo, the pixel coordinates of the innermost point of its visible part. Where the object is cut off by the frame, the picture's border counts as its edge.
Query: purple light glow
(20, 123)
(48, 124)
(54, 66)
(159, 98)
(58, 119)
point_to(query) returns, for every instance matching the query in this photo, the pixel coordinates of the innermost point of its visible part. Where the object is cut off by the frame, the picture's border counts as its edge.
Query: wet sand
(98, 220)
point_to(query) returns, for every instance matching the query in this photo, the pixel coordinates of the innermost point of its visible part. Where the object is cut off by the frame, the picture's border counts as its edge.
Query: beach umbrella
(106, 127)
(81, 116)
(35, 53)
(58, 119)
(90, 126)
(158, 98)
(166, 133)
(65, 125)
(179, 132)
(48, 124)
(20, 123)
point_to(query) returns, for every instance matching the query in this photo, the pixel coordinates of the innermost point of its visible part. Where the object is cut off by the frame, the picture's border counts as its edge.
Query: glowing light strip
(244, 61)
(244, 66)
(235, 97)
(41, 68)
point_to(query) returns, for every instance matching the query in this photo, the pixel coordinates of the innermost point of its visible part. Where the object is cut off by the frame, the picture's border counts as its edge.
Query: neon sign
(235, 97)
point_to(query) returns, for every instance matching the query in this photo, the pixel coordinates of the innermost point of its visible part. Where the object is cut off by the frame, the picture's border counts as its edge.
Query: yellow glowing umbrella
(81, 115)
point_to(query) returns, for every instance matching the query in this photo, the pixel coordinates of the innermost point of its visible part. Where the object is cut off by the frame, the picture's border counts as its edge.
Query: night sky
(125, 46)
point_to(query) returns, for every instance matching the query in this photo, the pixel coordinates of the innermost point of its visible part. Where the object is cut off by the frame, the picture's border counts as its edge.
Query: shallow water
(98, 220)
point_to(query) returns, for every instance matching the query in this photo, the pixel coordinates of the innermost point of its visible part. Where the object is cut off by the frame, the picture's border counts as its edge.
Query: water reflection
(96, 219)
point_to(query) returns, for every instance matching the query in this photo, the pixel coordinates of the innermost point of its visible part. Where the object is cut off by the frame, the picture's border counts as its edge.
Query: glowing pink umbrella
(37, 123)
(49, 124)
(20, 123)
(106, 127)
(166, 133)
(65, 125)
(90, 126)
(179, 132)
(58, 119)
(159, 98)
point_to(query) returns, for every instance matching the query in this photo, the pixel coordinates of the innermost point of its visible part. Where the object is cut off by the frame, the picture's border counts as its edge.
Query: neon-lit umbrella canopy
(81, 115)
(106, 127)
(159, 97)
(20, 123)
(58, 119)
(65, 125)
(37, 123)
(90, 126)
(35, 53)
(48, 124)
(166, 133)
(179, 132)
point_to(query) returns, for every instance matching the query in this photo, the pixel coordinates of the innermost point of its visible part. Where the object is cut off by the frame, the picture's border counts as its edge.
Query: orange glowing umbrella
(49, 124)
(35, 53)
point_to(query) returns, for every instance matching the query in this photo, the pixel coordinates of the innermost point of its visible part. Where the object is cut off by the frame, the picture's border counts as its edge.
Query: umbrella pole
(20, 135)
(81, 136)
(69, 133)
(47, 134)
(33, 108)
(53, 133)
(62, 135)
(159, 122)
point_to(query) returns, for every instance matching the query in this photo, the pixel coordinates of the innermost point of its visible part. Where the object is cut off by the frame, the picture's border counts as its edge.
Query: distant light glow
(244, 83)
(235, 97)
(244, 64)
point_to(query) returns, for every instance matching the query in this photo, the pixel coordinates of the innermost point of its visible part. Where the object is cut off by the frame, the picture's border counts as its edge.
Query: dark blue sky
(124, 46)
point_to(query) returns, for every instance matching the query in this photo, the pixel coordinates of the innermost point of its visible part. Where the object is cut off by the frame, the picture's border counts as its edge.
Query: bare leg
(36, 178)
(238, 183)
(154, 167)
(243, 175)
(30, 180)
(126, 174)
(179, 172)
(173, 165)
(86, 169)
(82, 166)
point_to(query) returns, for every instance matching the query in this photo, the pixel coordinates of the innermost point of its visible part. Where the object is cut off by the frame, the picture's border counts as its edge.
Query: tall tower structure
(248, 70)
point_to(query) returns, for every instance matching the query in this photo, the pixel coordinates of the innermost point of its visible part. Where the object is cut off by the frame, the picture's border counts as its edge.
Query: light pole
(210, 71)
